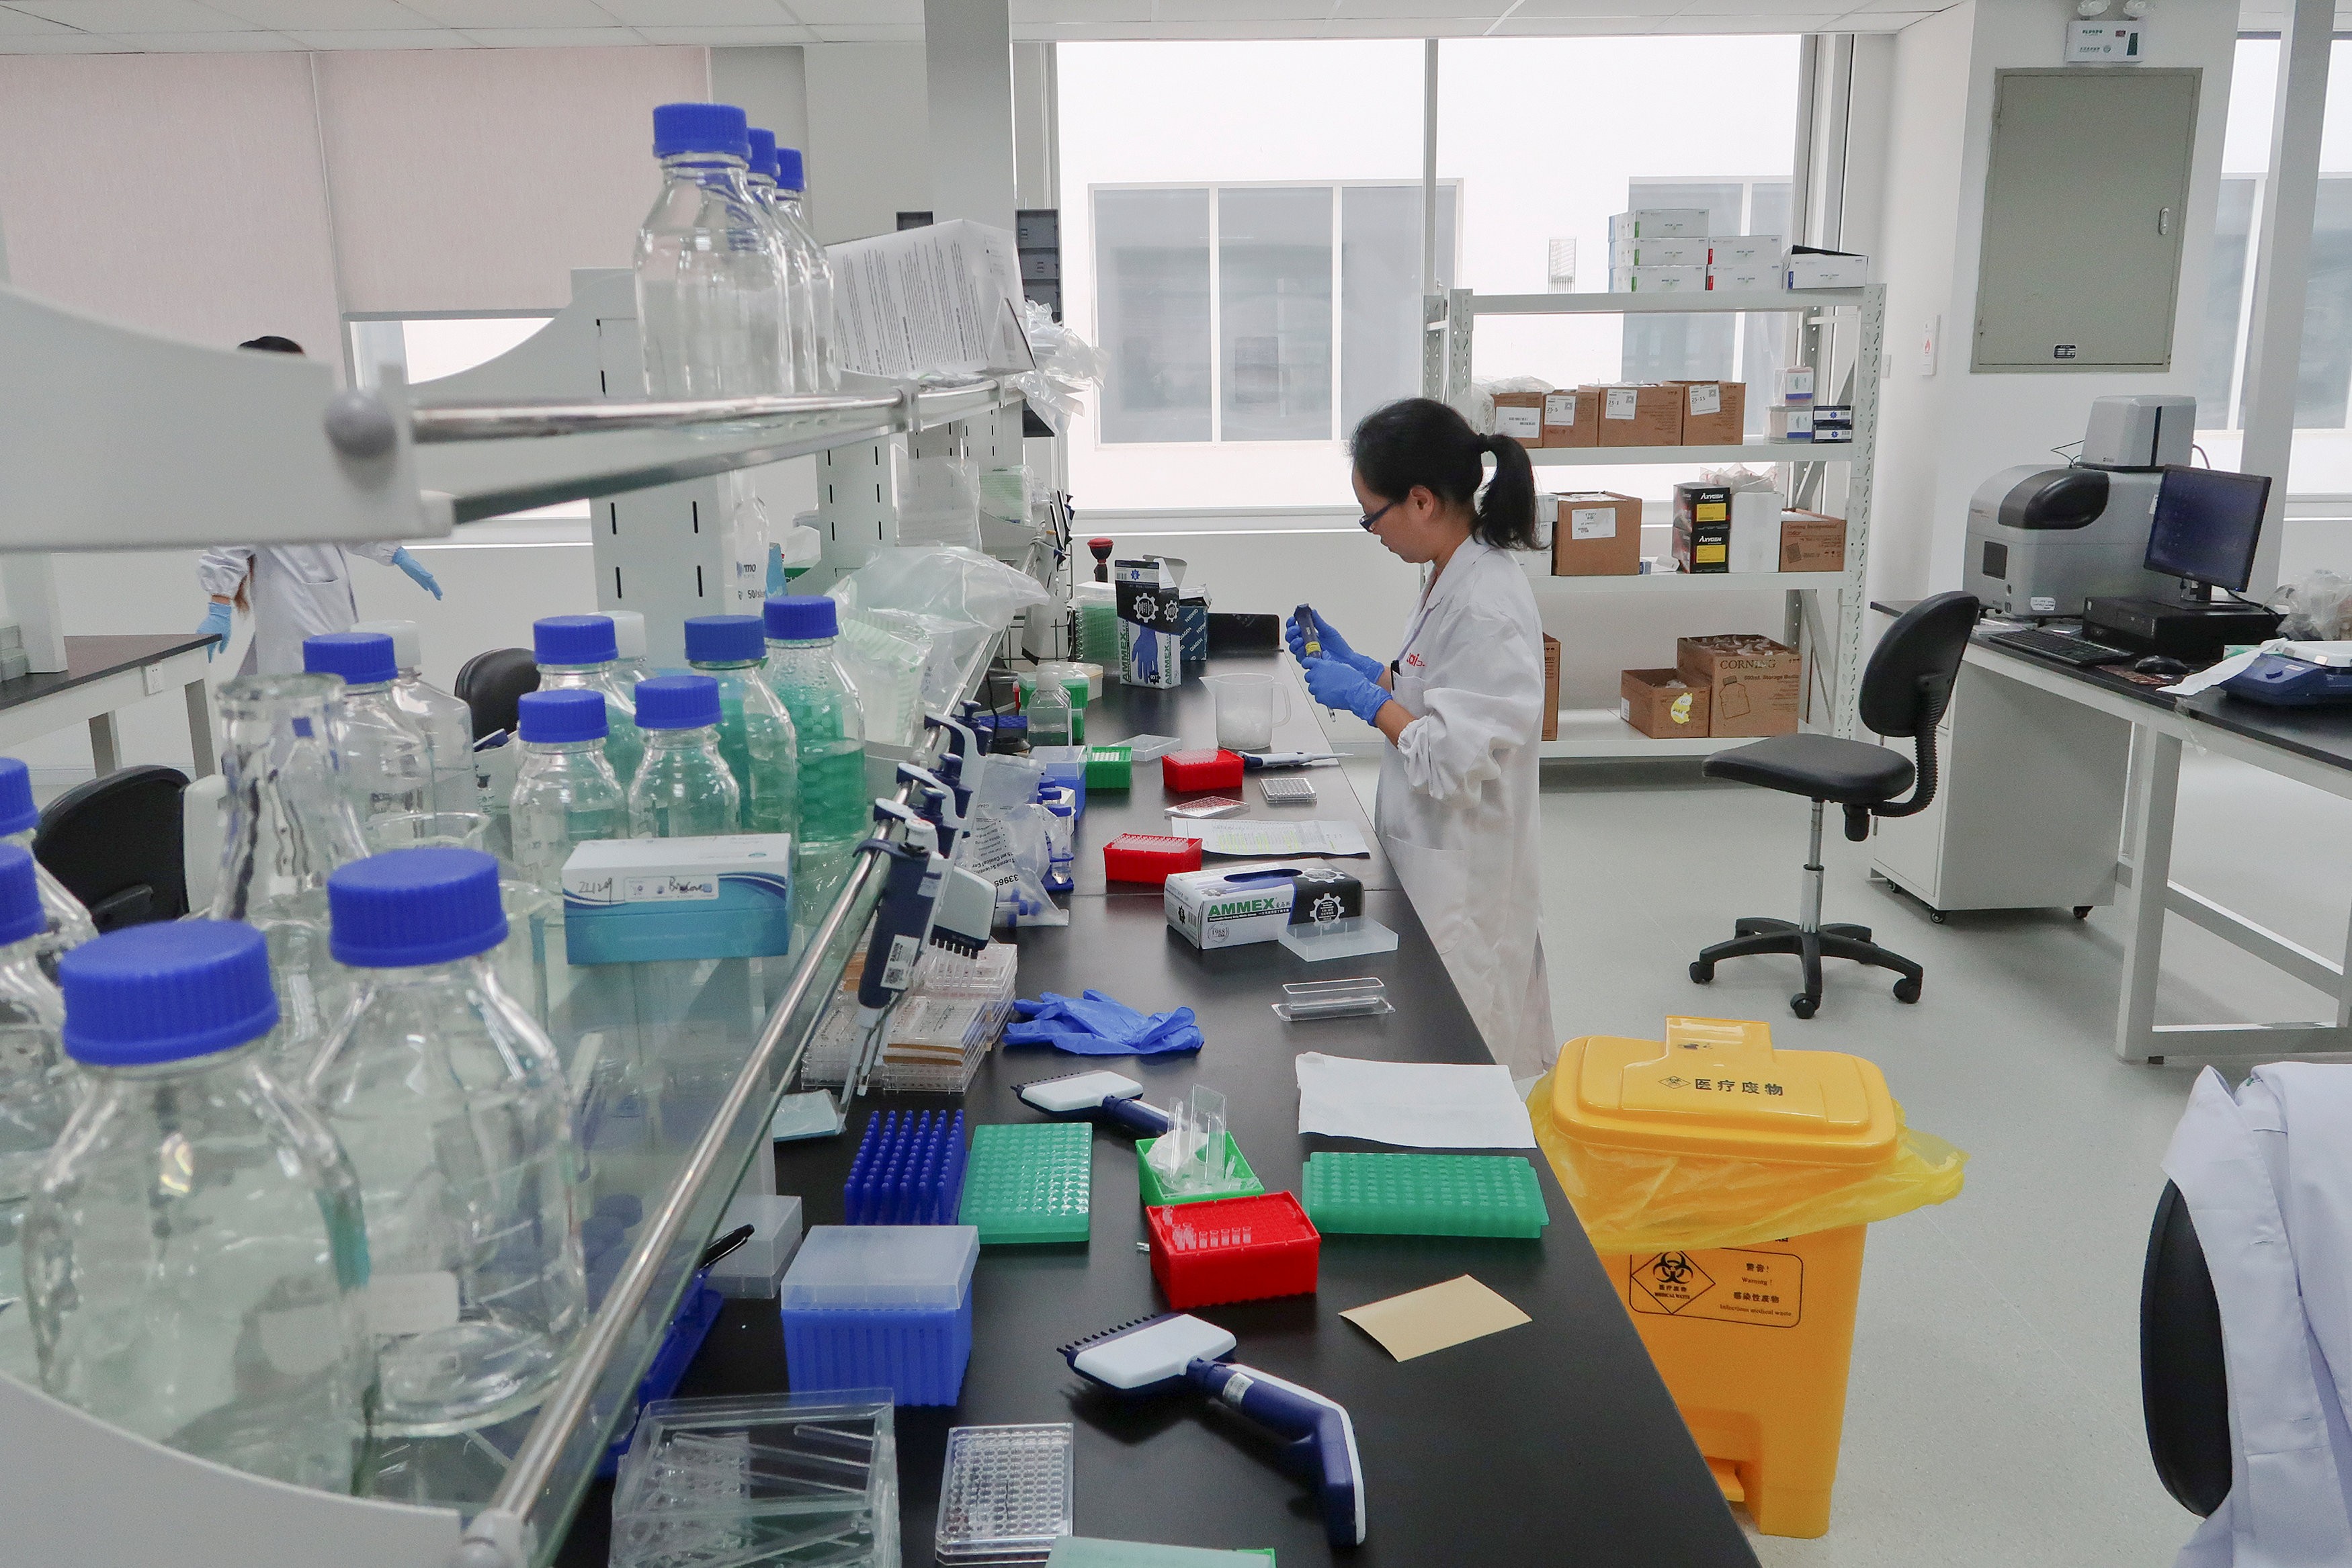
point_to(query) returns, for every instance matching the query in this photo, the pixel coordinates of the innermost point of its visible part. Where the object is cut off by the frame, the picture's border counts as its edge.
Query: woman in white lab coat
(1461, 706)
(292, 592)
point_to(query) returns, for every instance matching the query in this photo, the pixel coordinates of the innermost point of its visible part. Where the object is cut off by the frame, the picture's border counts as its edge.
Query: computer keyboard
(2062, 645)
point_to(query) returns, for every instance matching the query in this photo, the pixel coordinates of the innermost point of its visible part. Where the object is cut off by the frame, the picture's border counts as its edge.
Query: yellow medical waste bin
(1726, 1187)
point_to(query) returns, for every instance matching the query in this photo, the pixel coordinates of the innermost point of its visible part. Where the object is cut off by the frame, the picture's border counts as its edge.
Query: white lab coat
(298, 591)
(1458, 813)
(2268, 1177)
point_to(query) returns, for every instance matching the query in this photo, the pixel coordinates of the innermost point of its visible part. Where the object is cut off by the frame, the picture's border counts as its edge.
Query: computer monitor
(2205, 526)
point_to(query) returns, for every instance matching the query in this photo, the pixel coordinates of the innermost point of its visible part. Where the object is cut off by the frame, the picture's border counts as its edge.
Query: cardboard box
(1752, 683)
(1812, 542)
(1702, 528)
(1744, 250)
(1797, 384)
(1151, 623)
(1680, 251)
(1552, 687)
(1662, 705)
(1645, 415)
(1658, 222)
(1571, 417)
(1745, 276)
(1239, 905)
(1714, 413)
(1827, 269)
(629, 901)
(1789, 421)
(1520, 415)
(1832, 422)
(1657, 280)
(1596, 533)
(1756, 530)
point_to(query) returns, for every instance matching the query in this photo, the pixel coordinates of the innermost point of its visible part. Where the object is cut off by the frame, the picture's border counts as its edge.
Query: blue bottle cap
(574, 640)
(552, 719)
(362, 658)
(20, 896)
(725, 640)
(677, 702)
(405, 908)
(701, 128)
(167, 992)
(763, 152)
(17, 812)
(790, 175)
(801, 617)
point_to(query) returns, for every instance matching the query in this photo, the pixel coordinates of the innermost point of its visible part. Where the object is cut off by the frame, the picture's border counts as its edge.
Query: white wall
(1950, 432)
(869, 138)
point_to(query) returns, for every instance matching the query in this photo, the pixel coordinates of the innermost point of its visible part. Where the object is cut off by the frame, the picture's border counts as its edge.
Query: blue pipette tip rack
(908, 1170)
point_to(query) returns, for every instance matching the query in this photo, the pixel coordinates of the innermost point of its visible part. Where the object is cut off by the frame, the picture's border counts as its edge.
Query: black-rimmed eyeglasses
(1369, 518)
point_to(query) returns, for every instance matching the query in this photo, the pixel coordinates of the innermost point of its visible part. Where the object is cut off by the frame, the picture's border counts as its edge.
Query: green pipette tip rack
(1423, 1195)
(1109, 766)
(1082, 1552)
(1147, 1179)
(1029, 1182)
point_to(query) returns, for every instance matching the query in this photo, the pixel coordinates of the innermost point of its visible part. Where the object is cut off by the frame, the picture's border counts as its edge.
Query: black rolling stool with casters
(1904, 692)
(116, 844)
(491, 684)
(2184, 1384)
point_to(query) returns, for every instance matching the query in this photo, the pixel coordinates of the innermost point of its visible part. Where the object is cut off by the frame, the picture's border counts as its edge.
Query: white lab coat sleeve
(220, 569)
(1485, 700)
(380, 551)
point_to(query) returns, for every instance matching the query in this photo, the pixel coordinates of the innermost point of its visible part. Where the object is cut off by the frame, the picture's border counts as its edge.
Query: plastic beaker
(1248, 707)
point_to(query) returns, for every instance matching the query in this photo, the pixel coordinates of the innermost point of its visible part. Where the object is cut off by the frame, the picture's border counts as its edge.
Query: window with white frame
(1259, 312)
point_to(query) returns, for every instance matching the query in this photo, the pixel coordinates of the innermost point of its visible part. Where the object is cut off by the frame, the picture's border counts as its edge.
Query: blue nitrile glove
(1334, 645)
(776, 578)
(216, 625)
(1097, 1025)
(1334, 685)
(423, 578)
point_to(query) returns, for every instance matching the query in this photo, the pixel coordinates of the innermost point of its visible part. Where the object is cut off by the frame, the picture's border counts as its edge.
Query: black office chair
(1905, 691)
(491, 684)
(2184, 1384)
(116, 844)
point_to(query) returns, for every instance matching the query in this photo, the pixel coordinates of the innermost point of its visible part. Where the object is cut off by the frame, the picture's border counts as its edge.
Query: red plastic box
(1189, 772)
(1148, 858)
(1234, 1250)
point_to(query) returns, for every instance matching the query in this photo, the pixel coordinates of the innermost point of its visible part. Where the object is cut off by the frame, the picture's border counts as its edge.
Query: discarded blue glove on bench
(1097, 1025)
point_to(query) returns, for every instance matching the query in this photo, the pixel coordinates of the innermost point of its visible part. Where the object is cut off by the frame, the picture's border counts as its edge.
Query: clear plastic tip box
(881, 1306)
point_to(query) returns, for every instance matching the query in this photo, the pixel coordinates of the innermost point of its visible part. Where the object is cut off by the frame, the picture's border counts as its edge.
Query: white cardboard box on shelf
(1756, 530)
(1744, 250)
(1745, 276)
(1827, 269)
(1658, 222)
(1657, 280)
(1675, 250)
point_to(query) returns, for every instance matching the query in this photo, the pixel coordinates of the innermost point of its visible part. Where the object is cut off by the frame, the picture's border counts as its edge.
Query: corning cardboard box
(1812, 542)
(1714, 413)
(1662, 705)
(1752, 683)
(1571, 417)
(1703, 528)
(1596, 533)
(1650, 414)
(1552, 687)
(1520, 415)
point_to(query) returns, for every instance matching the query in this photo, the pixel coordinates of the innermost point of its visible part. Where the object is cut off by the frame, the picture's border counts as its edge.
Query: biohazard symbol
(1667, 1283)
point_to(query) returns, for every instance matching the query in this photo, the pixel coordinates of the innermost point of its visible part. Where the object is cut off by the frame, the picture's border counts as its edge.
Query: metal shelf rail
(1451, 320)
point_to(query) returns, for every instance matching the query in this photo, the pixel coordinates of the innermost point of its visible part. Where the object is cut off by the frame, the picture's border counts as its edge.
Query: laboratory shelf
(1691, 582)
(1653, 456)
(1709, 300)
(1598, 734)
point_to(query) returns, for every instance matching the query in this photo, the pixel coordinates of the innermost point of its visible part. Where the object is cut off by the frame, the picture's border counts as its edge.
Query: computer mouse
(2159, 665)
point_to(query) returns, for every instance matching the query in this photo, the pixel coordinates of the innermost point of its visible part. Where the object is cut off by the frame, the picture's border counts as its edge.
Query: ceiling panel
(23, 24)
(700, 13)
(1243, 10)
(383, 39)
(471, 13)
(1610, 9)
(346, 15)
(868, 33)
(134, 15)
(722, 36)
(858, 13)
(553, 37)
(65, 43)
(260, 41)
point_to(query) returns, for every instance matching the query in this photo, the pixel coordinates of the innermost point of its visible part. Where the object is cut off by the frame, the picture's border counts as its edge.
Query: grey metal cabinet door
(2085, 199)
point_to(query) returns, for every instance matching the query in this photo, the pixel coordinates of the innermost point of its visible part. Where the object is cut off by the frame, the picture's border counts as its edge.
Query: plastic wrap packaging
(884, 653)
(1066, 364)
(2318, 608)
(1735, 476)
(1480, 408)
(960, 597)
(938, 499)
(1642, 1201)
(1008, 844)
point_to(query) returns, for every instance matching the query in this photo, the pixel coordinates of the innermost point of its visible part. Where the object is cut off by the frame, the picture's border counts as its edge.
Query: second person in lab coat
(292, 592)
(1461, 706)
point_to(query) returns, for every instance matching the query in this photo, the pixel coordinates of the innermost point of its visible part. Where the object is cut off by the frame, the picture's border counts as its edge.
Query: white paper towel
(1412, 1104)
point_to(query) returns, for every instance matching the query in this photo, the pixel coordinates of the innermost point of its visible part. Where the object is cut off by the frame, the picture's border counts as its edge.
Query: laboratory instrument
(881, 1306)
(38, 1089)
(1100, 549)
(711, 273)
(834, 804)
(452, 1107)
(447, 723)
(924, 900)
(1286, 791)
(387, 760)
(683, 788)
(219, 1308)
(1174, 1351)
(2299, 674)
(1006, 1494)
(565, 793)
(1255, 761)
(580, 652)
(755, 732)
(66, 924)
(908, 1169)
(290, 822)
(1310, 635)
(1112, 1099)
(2203, 532)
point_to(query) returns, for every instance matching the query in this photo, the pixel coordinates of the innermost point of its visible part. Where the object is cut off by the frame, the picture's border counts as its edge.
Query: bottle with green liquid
(836, 809)
(755, 731)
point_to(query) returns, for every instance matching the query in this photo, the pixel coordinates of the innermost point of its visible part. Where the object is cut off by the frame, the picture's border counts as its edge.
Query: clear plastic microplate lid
(1007, 1493)
(1359, 997)
(923, 1267)
(1210, 806)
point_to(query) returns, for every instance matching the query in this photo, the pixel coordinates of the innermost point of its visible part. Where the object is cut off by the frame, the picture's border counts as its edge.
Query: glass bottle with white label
(196, 1266)
(452, 1106)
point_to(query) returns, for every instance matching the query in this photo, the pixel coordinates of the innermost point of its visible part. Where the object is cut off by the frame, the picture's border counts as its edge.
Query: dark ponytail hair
(1419, 441)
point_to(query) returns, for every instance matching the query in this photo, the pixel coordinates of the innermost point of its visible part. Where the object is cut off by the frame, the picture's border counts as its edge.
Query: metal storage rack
(1822, 607)
(122, 439)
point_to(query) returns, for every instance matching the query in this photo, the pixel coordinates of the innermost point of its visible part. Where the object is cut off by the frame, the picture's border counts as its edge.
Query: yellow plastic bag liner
(1714, 1139)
